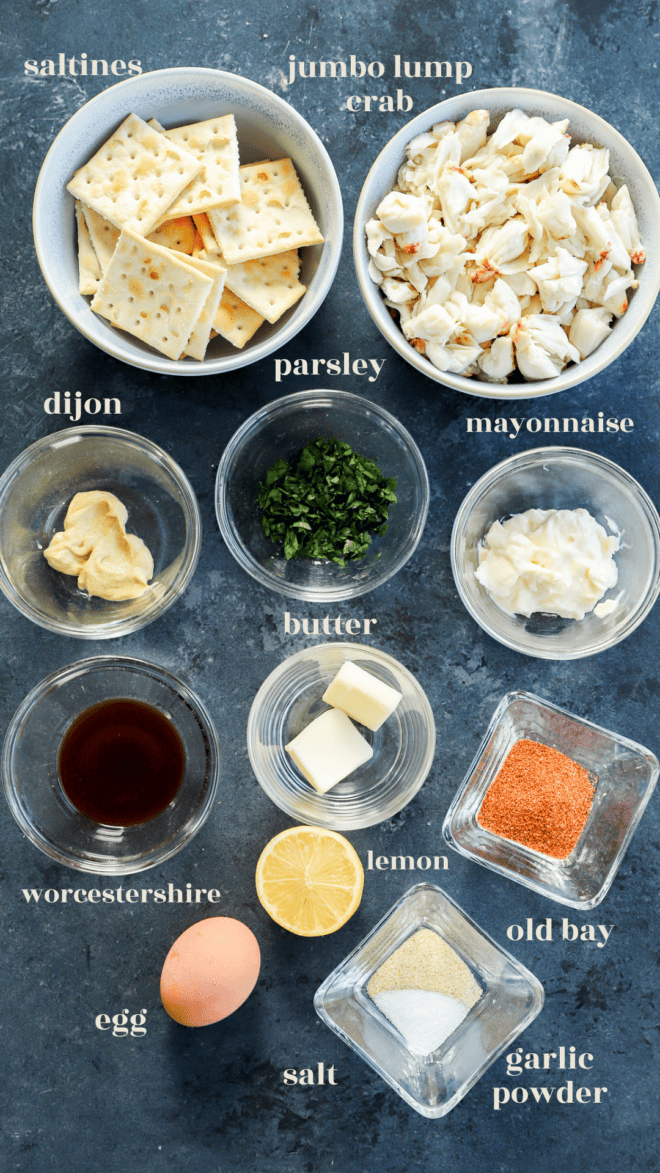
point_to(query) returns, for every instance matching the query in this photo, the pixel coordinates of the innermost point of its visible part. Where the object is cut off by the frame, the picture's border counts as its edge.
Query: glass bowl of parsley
(322, 495)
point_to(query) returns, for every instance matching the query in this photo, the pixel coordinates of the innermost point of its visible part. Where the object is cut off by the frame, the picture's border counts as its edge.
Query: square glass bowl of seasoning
(429, 1000)
(551, 800)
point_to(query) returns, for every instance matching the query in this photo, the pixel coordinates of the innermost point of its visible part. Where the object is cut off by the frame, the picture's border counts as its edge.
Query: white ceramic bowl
(584, 126)
(267, 128)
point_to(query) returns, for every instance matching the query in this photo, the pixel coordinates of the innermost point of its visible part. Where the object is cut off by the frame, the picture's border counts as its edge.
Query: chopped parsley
(327, 504)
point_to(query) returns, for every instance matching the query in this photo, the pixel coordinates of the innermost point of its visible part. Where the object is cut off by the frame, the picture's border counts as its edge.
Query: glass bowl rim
(360, 821)
(426, 885)
(490, 837)
(536, 989)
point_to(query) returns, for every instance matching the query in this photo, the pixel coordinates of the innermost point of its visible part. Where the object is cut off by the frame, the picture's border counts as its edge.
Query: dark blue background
(213, 1100)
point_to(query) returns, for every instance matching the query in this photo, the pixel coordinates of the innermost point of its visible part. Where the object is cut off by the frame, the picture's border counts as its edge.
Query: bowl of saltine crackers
(188, 221)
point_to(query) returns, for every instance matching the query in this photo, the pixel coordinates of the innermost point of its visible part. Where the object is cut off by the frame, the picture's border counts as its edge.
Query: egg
(210, 971)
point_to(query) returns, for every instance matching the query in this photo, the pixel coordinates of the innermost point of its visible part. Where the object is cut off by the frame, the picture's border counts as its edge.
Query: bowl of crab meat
(506, 243)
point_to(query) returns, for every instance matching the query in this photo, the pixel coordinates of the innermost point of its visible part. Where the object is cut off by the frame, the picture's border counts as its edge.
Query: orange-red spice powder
(540, 798)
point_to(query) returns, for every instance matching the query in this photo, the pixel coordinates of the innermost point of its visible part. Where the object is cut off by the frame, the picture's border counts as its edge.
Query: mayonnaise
(555, 561)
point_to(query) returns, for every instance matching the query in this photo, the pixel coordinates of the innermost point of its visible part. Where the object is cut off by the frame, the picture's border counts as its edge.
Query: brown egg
(209, 971)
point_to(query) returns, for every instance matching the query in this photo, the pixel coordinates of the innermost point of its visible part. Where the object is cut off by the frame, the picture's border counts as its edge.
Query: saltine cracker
(203, 226)
(269, 285)
(135, 176)
(89, 269)
(272, 217)
(235, 320)
(178, 234)
(150, 292)
(199, 339)
(104, 235)
(215, 144)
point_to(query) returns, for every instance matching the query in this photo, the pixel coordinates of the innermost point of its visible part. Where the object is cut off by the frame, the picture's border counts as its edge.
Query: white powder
(424, 1018)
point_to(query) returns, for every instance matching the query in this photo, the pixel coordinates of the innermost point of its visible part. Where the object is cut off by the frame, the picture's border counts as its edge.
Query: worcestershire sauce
(121, 762)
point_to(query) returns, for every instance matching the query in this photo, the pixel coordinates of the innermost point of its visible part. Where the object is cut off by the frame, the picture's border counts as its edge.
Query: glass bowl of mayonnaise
(556, 553)
(100, 532)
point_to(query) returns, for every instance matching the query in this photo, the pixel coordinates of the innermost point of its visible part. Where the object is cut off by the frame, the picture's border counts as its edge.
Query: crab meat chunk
(589, 328)
(559, 280)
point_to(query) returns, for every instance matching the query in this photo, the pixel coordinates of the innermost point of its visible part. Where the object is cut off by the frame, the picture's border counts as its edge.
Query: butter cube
(363, 696)
(329, 749)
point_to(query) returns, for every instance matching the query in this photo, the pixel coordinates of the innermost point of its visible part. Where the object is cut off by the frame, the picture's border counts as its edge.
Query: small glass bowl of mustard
(35, 493)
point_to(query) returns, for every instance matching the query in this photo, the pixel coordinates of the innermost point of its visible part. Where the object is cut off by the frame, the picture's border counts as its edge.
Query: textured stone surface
(213, 1100)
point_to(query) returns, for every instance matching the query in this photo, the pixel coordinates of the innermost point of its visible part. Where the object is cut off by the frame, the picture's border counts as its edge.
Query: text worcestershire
(186, 894)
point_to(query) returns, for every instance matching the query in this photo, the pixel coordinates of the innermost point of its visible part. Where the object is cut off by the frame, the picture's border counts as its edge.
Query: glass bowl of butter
(341, 736)
(100, 532)
(556, 553)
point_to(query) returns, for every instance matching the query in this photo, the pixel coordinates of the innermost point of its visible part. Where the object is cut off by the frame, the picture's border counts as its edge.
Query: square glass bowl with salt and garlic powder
(429, 1000)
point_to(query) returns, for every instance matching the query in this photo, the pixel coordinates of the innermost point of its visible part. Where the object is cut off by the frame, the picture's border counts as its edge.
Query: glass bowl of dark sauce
(111, 765)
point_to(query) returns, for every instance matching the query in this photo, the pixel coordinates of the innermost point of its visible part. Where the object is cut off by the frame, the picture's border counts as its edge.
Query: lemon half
(309, 880)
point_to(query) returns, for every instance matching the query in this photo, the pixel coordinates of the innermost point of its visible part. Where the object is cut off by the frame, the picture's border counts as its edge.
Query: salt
(424, 1018)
